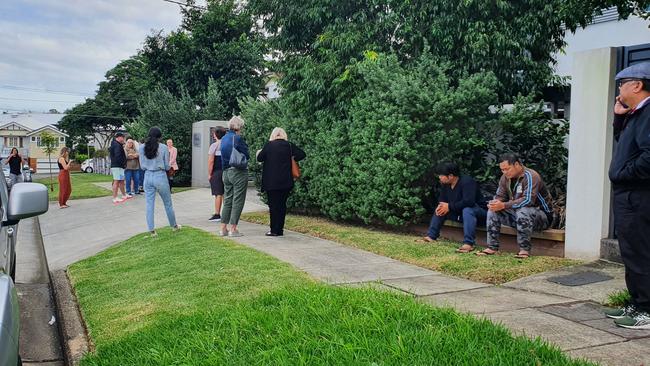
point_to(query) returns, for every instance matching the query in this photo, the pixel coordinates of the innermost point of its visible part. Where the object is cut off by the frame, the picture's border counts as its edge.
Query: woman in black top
(277, 180)
(15, 162)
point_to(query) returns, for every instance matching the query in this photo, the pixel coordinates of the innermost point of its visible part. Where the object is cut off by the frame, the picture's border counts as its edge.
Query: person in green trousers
(235, 179)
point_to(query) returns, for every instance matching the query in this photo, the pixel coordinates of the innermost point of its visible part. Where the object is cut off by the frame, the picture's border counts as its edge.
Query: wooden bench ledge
(548, 234)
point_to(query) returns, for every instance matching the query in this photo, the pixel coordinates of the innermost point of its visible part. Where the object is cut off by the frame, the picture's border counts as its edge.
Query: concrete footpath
(569, 317)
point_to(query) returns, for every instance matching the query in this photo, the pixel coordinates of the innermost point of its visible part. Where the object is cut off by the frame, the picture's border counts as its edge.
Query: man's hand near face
(619, 108)
(442, 209)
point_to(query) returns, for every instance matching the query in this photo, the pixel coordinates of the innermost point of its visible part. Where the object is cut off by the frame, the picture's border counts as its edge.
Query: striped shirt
(529, 190)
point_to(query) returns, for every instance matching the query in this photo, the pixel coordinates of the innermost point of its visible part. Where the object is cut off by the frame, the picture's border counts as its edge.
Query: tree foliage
(516, 40)
(217, 44)
(375, 162)
(49, 143)
(379, 91)
(174, 116)
(115, 103)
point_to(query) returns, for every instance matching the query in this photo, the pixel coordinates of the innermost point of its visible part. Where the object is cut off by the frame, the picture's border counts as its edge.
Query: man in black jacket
(629, 173)
(460, 200)
(118, 164)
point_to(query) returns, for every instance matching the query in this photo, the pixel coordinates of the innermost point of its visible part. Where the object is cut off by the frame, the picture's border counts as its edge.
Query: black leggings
(278, 208)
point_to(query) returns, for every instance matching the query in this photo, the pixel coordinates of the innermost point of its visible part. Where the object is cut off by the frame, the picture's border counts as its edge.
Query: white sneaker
(117, 201)
(177, 227)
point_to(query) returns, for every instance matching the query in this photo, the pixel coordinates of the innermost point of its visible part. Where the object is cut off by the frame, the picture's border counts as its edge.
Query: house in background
(23, 131)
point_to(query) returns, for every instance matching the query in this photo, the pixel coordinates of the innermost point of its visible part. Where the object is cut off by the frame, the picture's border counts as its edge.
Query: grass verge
(618, 298)
(442, 256)
(190, 298)
(83, 186)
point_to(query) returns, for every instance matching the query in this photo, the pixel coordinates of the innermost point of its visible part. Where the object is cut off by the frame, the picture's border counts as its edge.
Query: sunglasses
(623, 81)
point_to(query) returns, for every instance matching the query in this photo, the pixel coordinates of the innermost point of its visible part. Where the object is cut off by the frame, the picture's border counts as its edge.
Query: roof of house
(31, 121)
(48, 127)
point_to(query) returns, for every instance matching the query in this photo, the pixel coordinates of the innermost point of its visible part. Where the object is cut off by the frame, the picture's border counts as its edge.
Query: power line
(38, 100)
(50, 91)
(96, 116)
(184, 4)
(66, 114)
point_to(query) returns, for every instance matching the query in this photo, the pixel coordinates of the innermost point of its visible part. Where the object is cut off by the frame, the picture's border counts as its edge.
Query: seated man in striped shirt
(522, 201)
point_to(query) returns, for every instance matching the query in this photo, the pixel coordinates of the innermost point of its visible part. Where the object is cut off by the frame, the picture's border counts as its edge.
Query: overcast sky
(53, 46)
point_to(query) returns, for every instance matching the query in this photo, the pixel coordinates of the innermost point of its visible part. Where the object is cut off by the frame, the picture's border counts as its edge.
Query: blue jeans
(141, 178)
(156, 181)
(471, 217)
(132, 175)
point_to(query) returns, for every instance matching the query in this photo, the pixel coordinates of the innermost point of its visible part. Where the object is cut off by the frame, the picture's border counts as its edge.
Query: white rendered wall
(630, 32)
(590, 152)
(201, 141)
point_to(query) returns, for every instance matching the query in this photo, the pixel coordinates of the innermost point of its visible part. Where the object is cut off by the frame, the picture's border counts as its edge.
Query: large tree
(516, 40)
(115, 103)
(218, 44)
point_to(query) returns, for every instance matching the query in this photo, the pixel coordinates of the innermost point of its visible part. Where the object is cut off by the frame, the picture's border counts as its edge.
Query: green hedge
(372, 150)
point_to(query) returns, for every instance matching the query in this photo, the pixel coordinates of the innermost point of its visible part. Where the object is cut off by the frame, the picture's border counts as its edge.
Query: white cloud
(69, 45)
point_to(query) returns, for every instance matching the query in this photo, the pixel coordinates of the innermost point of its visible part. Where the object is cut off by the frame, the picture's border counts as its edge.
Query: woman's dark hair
(17, 152)
(151, 142)
(448, 168)
(220, 132)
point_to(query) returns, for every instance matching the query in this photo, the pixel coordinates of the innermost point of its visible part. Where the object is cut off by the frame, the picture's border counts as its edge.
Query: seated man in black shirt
(460, 200)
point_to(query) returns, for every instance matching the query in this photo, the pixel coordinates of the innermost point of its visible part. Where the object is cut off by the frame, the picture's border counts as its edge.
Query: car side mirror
(27, 200)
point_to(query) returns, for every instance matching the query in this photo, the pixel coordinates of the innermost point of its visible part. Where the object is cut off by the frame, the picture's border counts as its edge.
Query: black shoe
(271, 234)
(215, 218)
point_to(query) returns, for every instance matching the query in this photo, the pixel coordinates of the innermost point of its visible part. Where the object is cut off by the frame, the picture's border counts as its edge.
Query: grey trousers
(525, 220)
(235, 184)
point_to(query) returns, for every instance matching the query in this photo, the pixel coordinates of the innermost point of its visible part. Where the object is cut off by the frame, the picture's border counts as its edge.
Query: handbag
(295, 168)
(237, 159)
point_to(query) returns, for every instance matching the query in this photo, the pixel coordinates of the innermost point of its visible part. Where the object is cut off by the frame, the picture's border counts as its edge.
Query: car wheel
(89, 170)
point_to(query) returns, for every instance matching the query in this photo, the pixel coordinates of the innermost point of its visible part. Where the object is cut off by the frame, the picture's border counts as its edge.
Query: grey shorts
(118, 173)
(216, 183)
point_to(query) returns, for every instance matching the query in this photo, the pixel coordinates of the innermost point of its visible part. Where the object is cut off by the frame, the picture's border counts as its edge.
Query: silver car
(25, 200)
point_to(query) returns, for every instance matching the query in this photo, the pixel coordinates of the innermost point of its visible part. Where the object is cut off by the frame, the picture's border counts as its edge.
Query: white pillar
(201, 141)
(590, 152)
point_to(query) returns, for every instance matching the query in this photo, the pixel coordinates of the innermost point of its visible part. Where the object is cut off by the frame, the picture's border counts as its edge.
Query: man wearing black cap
(629, 173)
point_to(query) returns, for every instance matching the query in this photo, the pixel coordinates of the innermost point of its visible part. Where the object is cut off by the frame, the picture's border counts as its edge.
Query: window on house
(38, 142)
(13, 141)
(33, 138)
(61, 139)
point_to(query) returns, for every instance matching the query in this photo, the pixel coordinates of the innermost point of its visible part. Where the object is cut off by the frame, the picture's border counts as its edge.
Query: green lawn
(82, 186)
(496, 269)
(190, 298)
